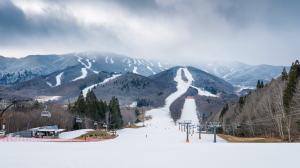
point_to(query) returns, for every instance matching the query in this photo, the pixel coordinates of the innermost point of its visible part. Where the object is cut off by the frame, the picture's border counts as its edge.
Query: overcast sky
(253, 32)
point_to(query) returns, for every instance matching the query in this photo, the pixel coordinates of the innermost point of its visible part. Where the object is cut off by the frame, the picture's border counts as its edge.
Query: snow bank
(134, 61)
(84, 91)
(134, 70)
(84, 74)
(58, 79)
(112, 61)
(106, 59)
(74, 134)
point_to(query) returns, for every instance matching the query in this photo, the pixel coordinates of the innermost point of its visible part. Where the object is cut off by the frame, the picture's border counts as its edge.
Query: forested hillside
(272, 110)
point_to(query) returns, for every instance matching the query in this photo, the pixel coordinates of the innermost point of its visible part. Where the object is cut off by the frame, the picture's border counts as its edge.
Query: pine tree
(81, 103)
(115, 112)
(291, 86)
(92, 105)
(262, 84)
(284, 74)
(102, 108)
(258, 84)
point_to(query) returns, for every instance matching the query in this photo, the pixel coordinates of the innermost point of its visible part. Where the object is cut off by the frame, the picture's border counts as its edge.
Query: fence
(24, 139)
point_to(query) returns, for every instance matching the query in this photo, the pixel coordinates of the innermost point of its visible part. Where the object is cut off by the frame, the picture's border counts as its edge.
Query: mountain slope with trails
(158, 144)
(240, 74)
(127, 87)
(15, 70)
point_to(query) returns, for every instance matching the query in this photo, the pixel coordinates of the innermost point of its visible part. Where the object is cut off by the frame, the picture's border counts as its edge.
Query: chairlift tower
(215, 125)
(186, 124)
(179, 123)
(199, 127)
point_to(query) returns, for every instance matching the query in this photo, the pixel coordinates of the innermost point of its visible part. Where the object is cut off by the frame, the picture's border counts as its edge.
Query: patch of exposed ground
(230, 138)
(96, 134)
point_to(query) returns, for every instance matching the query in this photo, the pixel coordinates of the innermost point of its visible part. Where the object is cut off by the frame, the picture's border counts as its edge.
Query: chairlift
(95, 123)
(78, 120)
(228, 130)
(238, 127)
(45, 114)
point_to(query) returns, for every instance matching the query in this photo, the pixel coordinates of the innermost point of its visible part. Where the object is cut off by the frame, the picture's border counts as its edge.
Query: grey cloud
(253, 31)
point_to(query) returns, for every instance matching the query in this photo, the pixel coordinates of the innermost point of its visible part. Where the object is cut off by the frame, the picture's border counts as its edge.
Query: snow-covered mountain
(73, 66)
(240, 74)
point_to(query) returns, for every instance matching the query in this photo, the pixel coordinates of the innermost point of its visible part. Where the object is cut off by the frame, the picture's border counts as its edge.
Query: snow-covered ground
(84, 91)
(159, 144)
(74, 134)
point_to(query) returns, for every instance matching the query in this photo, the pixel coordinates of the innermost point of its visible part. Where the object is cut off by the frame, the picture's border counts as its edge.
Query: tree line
(97, 110)
(272, 110)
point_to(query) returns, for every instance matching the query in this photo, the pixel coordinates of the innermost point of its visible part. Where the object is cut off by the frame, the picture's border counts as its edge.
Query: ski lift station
(40, 132)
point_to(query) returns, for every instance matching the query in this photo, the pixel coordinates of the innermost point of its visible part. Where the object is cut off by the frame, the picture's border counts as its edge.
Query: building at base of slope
(40, 132)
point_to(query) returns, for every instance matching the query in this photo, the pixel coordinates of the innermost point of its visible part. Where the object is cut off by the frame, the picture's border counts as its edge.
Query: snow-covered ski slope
(163, 147)
(189, 111)
(191, 79)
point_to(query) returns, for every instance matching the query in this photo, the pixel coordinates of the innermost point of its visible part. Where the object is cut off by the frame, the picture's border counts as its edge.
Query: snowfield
(158, 144)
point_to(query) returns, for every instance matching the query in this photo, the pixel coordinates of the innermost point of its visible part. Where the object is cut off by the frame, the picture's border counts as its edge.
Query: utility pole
(214, 125)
